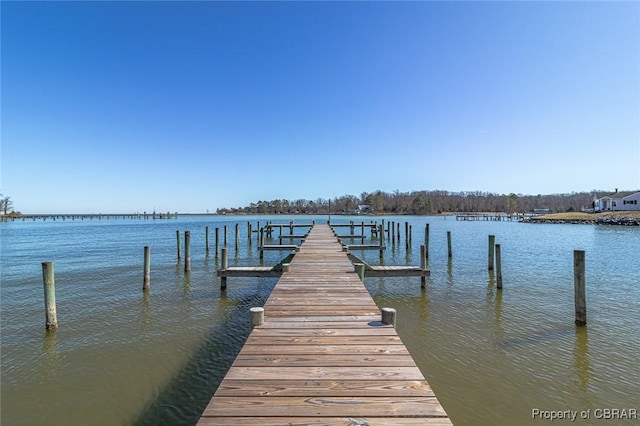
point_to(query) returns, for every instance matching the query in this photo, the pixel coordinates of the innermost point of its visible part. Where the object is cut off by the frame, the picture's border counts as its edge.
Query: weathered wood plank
(288, 387)
(325, 373)
(324, 331)
(312, 360)
(326, 406)
(324, 349)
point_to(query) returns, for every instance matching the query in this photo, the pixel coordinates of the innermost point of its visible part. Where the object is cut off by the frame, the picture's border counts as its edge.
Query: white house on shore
(618, 201)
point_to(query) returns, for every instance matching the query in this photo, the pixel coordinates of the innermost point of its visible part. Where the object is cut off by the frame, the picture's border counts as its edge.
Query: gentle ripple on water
(123, 358)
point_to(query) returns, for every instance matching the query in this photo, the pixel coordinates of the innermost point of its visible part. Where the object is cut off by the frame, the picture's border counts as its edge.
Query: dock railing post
(48, 280)
(492, 244)
(256, 316)
(147, 268)
(579, 287)
(389, 316)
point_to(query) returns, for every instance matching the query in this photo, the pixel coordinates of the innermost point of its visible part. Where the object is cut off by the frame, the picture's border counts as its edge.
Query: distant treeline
(421, 203)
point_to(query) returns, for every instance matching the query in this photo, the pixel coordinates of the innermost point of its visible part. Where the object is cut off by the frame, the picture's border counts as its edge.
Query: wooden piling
(579, 287)
(426, 240)
(423, 265)
(237, 236)
(492, 244)
(217, 241)
(224, 267)
(178, 242)
(449, 252)
(48, 280)
(261, 243)
(187, 251)
(147, 268)
(406, 235)
(381, 235)
(225, 242)
(389, 316)
(393, 233)
(256, 317)
(206, 239)
(498, 267)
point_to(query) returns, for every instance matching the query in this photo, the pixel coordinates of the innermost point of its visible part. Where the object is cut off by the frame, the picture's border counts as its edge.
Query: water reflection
(146, 318)
(51, 359)
(581, 364)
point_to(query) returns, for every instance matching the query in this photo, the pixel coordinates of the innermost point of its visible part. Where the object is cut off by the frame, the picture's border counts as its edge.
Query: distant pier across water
(489, 216)
(90, 216)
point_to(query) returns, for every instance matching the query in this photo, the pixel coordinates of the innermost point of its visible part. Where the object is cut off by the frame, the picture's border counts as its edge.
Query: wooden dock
(322, 356)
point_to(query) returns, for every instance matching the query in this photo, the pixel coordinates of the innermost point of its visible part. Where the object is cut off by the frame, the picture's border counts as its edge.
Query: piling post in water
(178, 242)
(449, 252)
(187, 251)
(381, 241)
(225, 242)
(256, 317)
(360, 270)
(423, 265)
(261, 243)
(147, 268)
(217, 241)
(426, 240)
(48, 280)
(492, 244)
(406, 235)
(225, 266)
(389, 316)
(237, 237)
(206, 239)
(249, 232)
(579, 287)
(498, 267)
(393, 233)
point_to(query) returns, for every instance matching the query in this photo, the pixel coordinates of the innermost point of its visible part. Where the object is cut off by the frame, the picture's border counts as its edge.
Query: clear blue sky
(189, 106)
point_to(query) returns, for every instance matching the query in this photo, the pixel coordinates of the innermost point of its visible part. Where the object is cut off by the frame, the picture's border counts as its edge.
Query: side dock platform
(322, 355)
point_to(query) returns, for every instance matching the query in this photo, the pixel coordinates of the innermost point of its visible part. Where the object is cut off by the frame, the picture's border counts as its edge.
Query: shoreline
(619, 218)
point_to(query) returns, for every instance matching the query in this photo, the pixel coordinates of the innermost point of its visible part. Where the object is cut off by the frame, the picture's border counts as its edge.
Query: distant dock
(92, 216)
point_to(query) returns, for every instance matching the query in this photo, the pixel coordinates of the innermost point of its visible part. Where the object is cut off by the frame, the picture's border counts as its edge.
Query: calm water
(121, 358)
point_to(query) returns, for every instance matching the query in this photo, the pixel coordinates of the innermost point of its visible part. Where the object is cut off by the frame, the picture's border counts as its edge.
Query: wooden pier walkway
(322, 356)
